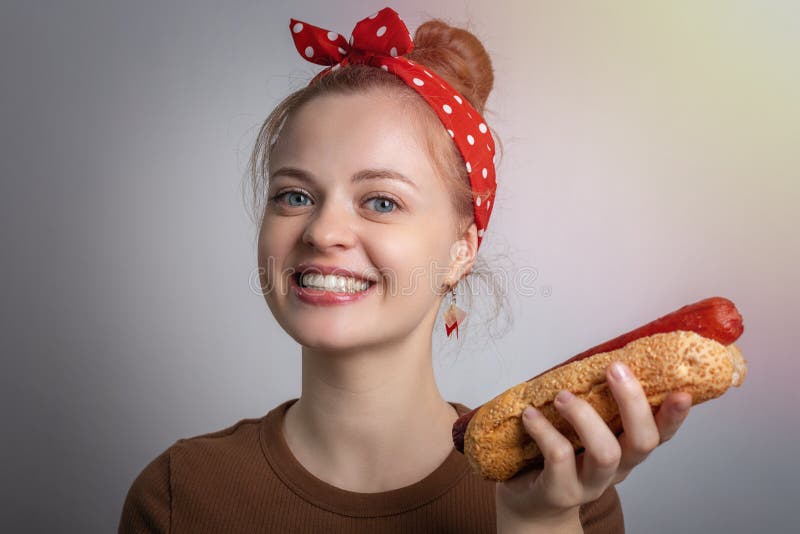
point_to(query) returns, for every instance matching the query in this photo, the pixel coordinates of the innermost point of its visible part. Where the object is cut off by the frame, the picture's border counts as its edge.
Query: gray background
(651, 161)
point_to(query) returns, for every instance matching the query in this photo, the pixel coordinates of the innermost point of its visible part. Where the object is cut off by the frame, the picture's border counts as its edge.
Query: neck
(371, 419)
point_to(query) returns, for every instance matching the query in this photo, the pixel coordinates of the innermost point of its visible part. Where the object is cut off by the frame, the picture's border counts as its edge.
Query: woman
(363, 174)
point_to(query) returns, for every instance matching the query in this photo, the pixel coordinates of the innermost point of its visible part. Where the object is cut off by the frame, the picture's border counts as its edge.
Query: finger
(641, 434)
(559, 473)
(602, 451)
(672, 414)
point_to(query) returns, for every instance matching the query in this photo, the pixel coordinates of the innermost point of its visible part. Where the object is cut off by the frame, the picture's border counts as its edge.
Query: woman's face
(333, 202)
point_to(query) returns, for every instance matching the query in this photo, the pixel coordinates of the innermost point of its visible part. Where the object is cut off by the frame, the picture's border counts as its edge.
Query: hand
(567, 481)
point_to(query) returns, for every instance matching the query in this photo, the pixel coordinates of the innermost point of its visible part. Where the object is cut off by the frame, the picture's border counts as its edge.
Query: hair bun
(457, 56)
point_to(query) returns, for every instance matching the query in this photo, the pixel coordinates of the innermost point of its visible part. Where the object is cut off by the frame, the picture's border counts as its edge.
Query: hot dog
(690, 349)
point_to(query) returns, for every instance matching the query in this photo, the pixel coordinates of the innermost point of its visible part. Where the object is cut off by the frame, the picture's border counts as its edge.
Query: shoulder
(149, 501)
(460, 408)
(243, 433)
(213, 457)
(603, 515)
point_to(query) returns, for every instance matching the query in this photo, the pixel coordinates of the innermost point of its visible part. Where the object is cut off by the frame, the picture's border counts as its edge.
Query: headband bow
(380, 41)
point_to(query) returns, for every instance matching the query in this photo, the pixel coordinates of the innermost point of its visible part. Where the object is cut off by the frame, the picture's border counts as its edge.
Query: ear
(462, 255)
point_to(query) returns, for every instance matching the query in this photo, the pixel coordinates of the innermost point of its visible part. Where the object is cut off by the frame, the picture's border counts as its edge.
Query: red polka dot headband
(380, 41)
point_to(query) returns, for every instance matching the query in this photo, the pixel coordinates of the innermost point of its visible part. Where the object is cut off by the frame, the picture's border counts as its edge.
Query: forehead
(350, 132)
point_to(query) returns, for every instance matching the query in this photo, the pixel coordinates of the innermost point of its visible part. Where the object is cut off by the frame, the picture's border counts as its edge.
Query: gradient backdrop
(651, 160)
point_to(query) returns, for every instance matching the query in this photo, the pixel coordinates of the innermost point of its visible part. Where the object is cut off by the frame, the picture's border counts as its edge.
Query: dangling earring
(454, 315)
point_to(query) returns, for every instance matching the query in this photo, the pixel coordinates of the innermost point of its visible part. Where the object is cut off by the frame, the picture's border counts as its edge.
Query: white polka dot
(410, 62)
(470, 140)
(494, 159)
(428, 73)
(333, 36)
(469, 114)
(417, 81)
(488, 203)
(342, 51)
(310, 52)
(482, 127)
(441, 84)
(447, 109)
(393, 51)
(480, 232)
(478, 201)
(451, 133)
(298, 27)
(458, 98)
(485, 172)
(381, 31)
(488, 148)
(469, 167)
(384, 67)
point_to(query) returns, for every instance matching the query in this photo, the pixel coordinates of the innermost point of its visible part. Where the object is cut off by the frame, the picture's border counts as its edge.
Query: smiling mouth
(332, 283)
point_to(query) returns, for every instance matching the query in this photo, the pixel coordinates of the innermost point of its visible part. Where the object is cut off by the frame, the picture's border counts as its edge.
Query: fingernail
(530, 413)
(620, 371)
(564, 396)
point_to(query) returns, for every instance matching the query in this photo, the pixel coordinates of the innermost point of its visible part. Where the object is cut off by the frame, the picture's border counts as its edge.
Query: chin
(321, 342)
(332, 336)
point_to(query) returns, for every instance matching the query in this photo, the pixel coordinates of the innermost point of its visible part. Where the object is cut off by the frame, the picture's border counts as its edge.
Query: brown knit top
(244, 478)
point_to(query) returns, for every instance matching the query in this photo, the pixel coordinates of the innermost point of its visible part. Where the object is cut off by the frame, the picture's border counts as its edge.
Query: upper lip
(317, 268)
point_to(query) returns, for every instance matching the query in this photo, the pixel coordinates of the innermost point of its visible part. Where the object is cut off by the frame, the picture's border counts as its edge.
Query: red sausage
(715, 317)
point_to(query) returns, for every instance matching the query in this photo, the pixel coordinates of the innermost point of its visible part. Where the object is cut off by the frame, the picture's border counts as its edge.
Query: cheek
(411, 263)
(274, 246)
(278, 234)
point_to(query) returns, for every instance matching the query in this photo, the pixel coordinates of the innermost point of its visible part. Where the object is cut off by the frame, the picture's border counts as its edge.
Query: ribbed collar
(351, 503)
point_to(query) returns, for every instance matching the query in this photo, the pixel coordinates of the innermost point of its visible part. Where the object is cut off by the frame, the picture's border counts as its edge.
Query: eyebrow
(361, 176)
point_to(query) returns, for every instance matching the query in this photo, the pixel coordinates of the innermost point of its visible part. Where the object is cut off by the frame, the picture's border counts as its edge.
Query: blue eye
(292, 195)
(296, 195)
(297, 199)
(383, 201)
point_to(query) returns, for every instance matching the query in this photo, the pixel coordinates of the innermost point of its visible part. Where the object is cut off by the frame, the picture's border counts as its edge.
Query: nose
(329, 226)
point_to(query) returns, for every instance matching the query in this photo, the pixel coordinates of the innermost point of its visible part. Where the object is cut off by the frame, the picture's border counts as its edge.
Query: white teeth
(335, 283)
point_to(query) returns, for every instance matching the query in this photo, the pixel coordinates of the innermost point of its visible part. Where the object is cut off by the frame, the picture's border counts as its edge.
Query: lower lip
(323, 297)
